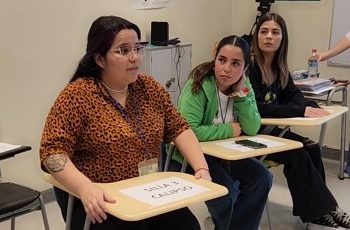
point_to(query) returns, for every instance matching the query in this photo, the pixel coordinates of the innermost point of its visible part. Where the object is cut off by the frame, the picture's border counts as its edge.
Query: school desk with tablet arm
(233, 149)
(236, 148)
(337, 86)
(335, 111)
(325, 95)
(149, 195)
(10, 150)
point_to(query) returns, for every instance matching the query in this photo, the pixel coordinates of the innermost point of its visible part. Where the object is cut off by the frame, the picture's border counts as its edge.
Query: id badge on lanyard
(148, 166)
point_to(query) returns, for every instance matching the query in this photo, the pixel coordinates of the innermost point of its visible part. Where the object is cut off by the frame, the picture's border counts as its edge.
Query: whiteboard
(340, 27)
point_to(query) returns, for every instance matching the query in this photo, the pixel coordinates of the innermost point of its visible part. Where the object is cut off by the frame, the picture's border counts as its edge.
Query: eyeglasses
(127, 51)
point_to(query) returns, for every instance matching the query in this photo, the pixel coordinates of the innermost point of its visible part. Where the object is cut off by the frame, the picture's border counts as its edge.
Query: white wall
(41, 42)
(309, 25)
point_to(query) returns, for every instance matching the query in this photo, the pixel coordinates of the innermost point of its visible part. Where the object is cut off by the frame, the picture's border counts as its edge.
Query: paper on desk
(241, 148)
(164, 191)
(6, 147)
(318, 91)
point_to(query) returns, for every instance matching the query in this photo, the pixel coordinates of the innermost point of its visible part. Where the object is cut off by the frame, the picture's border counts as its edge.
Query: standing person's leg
(255, 183)
(221, 209)
(311, 197)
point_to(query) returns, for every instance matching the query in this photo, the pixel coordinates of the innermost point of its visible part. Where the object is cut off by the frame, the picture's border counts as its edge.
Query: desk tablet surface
(130, 209)
(216, 149)
(303, 121)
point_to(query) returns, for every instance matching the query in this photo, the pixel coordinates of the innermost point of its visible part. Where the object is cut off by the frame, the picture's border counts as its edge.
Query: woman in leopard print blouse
(107, 120)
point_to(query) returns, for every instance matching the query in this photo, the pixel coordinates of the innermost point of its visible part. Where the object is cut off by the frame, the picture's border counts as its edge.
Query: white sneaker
(341, 218)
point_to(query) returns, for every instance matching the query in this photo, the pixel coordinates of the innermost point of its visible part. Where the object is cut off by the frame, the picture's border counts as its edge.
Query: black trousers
(304, 171)
(178, 219)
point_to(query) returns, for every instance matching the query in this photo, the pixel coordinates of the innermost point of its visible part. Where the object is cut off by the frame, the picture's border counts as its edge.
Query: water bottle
(313, 64)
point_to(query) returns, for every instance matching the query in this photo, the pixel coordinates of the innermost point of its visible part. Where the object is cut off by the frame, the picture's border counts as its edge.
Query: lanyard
(138, 129)
(223, 115)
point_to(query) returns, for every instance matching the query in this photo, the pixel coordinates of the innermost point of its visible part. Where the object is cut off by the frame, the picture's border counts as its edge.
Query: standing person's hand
(315, 112)
(237, 131)
(321, 57)
(93, 199)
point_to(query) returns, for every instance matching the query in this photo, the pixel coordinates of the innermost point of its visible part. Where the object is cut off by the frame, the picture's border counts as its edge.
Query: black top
(275, 102)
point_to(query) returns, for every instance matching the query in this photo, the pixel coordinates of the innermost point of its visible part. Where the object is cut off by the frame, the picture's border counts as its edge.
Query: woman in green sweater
(218, 102)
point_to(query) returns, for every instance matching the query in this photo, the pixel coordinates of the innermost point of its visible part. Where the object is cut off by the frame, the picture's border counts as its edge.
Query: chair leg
(268, 214)
(69, 211)
(169, 156)
(43, 212)
(87, 223)
(208, 223)
(184, 166)
(13, 223)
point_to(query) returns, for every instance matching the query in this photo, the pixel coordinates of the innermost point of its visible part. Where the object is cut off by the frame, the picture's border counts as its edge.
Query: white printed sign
(164, 191)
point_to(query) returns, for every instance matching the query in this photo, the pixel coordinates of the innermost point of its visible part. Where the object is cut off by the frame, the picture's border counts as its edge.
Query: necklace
(115, 91)
(272, 87)
(223, 116)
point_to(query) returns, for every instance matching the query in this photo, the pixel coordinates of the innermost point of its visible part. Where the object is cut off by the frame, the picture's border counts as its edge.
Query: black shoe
(324, 223)
(341, 218)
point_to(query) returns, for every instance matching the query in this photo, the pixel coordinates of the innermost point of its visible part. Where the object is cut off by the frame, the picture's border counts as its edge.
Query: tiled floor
(280, 205)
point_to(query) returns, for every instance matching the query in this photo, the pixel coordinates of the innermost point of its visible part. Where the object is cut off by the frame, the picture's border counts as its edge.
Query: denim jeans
(248, 182)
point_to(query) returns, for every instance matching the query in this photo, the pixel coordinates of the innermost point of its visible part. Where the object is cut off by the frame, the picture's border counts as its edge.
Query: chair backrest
(16, 200)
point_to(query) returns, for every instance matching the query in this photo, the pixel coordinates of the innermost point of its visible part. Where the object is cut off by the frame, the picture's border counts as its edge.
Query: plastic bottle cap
(314, 50)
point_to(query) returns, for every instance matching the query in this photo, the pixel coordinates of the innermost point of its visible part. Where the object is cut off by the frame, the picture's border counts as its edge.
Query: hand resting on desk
(93, 199)
(315, 112)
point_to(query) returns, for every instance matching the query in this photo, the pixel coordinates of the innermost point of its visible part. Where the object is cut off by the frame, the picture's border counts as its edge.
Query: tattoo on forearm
(56, 163)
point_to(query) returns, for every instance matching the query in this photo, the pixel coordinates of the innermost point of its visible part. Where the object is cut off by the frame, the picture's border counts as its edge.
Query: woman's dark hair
(100, 39)
(206, 69)
(279, 62)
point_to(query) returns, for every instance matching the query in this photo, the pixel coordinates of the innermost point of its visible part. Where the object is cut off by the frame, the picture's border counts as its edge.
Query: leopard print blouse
(85, 125)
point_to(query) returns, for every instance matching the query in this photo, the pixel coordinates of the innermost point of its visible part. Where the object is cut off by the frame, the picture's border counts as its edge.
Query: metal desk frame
(329, 101)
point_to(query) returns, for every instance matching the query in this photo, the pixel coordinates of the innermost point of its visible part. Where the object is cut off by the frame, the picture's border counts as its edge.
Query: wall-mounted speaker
(159, 33)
